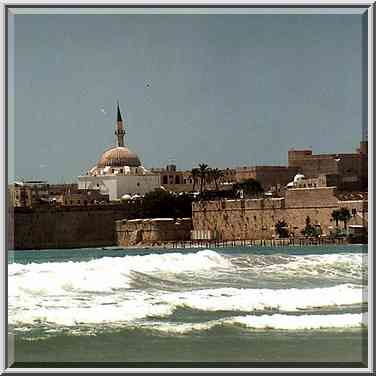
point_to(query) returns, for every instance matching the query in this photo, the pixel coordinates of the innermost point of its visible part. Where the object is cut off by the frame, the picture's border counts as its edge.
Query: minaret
(120, 132)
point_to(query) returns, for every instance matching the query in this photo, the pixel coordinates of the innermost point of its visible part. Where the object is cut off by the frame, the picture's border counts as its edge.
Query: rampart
(63, 227)
(256, 218)
(152, 231)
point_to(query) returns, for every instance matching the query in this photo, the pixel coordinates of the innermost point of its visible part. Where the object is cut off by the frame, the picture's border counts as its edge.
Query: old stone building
(267, 176)
(119, 171)
(351, 168)
(28, 194)
(175, 180)
(80, 197)
(152, 231)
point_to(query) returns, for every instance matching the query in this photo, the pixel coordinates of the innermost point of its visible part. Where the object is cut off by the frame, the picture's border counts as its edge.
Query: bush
(281, 229)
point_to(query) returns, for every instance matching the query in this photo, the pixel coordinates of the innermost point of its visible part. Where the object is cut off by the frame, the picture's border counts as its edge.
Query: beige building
(28, 193)
(351, 168)
(267, 176)
(119, 171)
(175, 180)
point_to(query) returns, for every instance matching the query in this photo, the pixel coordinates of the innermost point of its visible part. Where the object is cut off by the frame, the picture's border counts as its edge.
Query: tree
(310, 230)
(344, 216)
(341, 215)
(250, 187)
(161, 204)
(203, 168)
(217, 175)
(209, 178)
(281, 228)
(195, 176)
(336, 216)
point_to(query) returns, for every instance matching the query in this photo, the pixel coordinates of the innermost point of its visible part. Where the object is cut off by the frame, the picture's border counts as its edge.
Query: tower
(120, 132)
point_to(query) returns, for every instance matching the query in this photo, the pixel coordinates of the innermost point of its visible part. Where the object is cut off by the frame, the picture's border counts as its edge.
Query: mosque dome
(119, 157)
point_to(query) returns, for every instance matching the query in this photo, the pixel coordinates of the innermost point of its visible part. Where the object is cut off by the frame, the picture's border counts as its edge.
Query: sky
(223, 89)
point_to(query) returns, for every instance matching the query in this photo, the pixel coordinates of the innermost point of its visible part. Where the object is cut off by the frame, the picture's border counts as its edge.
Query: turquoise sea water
(248, 305)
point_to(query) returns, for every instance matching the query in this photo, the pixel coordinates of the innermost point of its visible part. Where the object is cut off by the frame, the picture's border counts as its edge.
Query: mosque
(119, 172)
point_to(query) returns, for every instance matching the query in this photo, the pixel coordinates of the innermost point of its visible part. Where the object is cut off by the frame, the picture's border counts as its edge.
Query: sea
(239, 306)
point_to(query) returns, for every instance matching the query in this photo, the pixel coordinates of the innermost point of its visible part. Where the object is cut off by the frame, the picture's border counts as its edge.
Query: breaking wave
(133, 289)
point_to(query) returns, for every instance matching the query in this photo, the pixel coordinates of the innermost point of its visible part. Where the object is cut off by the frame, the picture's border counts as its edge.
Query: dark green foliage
(195, 176)
(309, 230)
(336, 216)
(250, 187)
(342, 215)
(203, 174)
(160, 204)
(282, 229)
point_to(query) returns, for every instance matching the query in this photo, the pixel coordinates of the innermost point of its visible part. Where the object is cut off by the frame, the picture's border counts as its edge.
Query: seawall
(58, 227)
(253, 219)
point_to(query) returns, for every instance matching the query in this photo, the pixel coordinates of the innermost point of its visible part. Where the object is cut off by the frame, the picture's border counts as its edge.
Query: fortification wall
(256, 219)
(73, 227)
(150, 231)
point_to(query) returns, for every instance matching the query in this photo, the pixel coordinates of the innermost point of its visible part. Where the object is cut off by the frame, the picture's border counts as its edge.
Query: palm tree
(344, 216)
(203, 168)
(336, 216)
(209, 178)
(217, 175)
(195, 175)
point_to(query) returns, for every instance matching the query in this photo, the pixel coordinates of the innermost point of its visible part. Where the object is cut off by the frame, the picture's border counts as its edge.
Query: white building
(119, 171)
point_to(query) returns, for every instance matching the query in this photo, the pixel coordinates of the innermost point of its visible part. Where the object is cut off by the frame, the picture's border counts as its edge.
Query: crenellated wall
(256, 219)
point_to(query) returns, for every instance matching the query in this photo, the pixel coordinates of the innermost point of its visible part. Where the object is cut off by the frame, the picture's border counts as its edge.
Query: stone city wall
(68, 227)
(152, 231)
(256, 219)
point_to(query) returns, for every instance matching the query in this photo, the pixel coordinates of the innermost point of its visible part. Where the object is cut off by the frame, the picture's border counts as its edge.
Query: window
(138, 184)
(353, 211)
(177, 179)
(85, 202)
(164, 179)
(121, 170)
(78, 202)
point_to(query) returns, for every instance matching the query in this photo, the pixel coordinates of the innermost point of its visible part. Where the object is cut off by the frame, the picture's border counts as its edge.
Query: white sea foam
(127, 306)
(106, 274)
(102, 291)
(277, 321)
(326, 265)
(232, 299)
(94, 314)
(290, 322)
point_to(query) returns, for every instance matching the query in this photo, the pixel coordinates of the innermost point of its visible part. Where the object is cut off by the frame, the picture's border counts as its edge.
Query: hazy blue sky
(228, 90)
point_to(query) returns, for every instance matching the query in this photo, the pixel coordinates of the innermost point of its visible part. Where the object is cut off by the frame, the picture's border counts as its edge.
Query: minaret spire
(120, 132)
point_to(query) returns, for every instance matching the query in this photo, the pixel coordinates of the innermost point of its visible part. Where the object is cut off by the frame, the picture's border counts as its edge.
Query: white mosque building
(119, 172)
